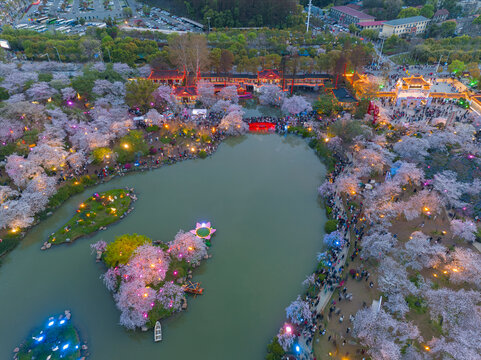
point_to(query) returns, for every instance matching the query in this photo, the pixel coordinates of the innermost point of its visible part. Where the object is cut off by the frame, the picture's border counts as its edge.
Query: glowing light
(40, 338)
(62, 321)
(427, 348)
(455, 270)
(51, 323)
(326, 139)
(298, 348)
(14, 230)
(288, 329)
(65, 347)
(125, 146)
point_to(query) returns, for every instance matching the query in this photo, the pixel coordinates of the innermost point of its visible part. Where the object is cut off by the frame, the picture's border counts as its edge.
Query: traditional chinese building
(245, 83)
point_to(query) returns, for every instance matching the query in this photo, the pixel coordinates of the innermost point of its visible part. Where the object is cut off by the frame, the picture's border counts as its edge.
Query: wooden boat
(157, 332)
(193, 288)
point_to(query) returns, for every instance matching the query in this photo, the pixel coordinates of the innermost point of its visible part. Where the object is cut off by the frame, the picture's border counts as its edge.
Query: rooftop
(408, 20)
(269, 74)
(343, 95)
(441, 12)
(350, 11)
(165, 74)
(371, 23)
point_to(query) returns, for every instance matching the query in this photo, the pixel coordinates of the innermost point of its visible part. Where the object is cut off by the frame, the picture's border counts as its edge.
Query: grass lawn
(101, 209)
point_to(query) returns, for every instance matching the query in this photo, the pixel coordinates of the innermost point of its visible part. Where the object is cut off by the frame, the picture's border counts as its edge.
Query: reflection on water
(261, 197)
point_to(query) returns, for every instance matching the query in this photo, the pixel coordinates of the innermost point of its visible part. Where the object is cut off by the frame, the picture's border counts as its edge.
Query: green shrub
(331, 225)
(45, 77)
(202, 154)
(275, 350)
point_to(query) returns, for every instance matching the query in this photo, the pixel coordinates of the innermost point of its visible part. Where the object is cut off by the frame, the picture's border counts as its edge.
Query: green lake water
(259, 192)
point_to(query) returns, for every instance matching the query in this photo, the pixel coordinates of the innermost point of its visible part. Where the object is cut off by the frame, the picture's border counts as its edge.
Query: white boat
(157, 332)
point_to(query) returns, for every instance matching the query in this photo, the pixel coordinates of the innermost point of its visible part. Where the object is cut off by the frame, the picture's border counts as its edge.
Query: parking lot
(74, 16)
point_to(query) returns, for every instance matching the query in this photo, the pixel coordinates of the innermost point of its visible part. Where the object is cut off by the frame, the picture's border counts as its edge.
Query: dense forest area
(242, 13)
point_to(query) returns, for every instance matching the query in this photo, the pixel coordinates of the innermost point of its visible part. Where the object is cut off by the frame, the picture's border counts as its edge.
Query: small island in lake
(149, 279)
(56, 339)
(98, 211)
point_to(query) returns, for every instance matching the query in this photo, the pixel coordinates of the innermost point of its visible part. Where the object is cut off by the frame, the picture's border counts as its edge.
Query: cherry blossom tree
(412, 148)
(16, 213)
(188, 247)
(407, 173)
(420, 253)
(170, 296)
(123, 69)
(40, 91)
(229, 93)
(221, 106)
(134, 300)
(393, 278)
(271, 95)
(163, 96)
(465, 230)
(232, 124)
(31, 115)
(382, 334)
(154, 118)
(286, 338)
(347, 183)
(149, 263)
(6, 192)
(450, 189)
(10, 129)
(334, 240)
(458, 313)
(465, 267)
(299, 312)
(206, 93)
(22, 170)
(377, 244)
(47, 156)
(295, 105)
(15, 80)
(396, 304)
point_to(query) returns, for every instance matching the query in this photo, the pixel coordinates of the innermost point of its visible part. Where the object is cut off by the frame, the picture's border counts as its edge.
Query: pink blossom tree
(170, 296)
(40, 91)
(377, 244)
(154, 118)
(163, 96)
(206, 93)
(10, 130)
(134, 300)
(408, 173)
(271, 95)
(465, 230)
(299, 312)
(465, 267)
(286, 338)
(22, 170)
(229, 93)
(450, 189)
(382, 334)
(188, 247)
(295, 105)
(149, 264)
(232, 124)
(412, 148)
(393, 278)
(420, 253)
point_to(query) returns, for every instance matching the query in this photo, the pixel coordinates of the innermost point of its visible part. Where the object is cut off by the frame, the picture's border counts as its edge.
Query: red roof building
(371, 25)
(166, 77)
(185, 94)
(347, 15)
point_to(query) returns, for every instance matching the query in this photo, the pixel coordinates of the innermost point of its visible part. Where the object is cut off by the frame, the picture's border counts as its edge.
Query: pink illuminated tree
(232, 124)
(170, 296)
(206, 93)
(186, 246)
(299, 312)
(295, 105)
(271, 95)
(465, 267)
